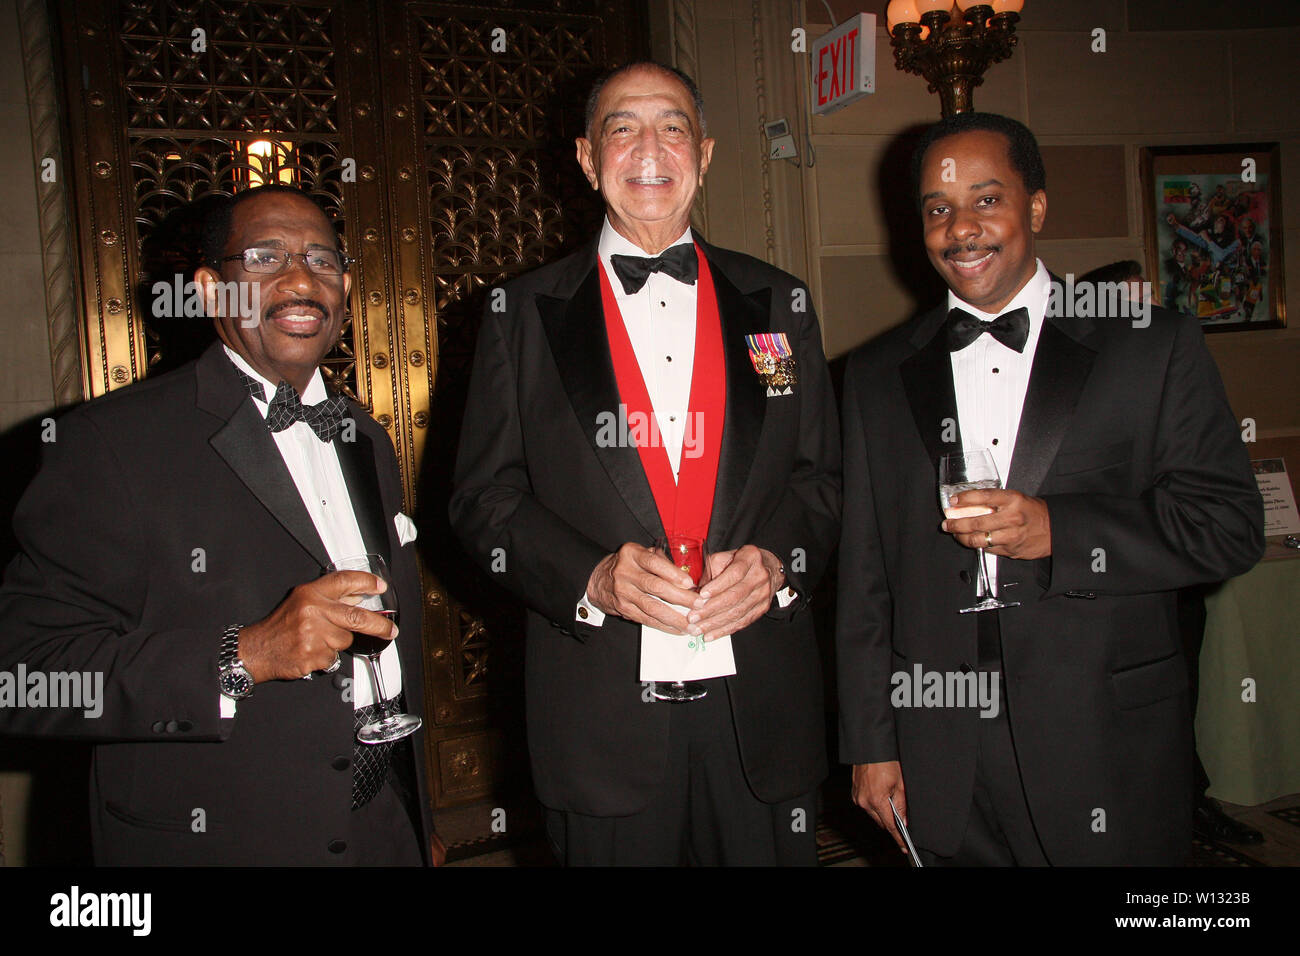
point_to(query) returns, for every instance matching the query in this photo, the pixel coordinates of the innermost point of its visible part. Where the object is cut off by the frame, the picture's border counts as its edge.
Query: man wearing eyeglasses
(172, 549)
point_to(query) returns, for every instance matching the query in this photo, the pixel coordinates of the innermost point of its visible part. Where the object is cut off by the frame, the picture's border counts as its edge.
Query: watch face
(236, 683)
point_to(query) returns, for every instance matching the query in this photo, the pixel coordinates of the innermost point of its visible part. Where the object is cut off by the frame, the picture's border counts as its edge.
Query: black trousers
(999, 828)
(703, 814)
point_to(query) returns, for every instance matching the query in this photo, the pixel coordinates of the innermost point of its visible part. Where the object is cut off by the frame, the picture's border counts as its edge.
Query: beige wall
(1091, 112)
(739, 53)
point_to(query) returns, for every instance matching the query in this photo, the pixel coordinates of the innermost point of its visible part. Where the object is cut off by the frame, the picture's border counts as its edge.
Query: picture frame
(1213, 228)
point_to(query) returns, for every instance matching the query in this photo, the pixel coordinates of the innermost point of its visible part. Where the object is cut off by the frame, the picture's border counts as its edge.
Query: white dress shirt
(660, 322)
(314, 467)
(990, 379)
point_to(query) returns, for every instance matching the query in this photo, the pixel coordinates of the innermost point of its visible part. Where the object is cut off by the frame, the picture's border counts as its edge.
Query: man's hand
(737, 591)
(635, 582)
(311, 626)
(873, 785)
(1019, 527)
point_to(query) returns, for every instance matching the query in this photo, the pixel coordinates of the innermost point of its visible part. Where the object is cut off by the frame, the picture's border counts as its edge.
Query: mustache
(298, 305)
(969, 247)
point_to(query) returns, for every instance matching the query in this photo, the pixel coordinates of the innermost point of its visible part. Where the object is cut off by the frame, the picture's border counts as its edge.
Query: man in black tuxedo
(173, 544)
(562, 508)
(1208, 819)
(1125, 479)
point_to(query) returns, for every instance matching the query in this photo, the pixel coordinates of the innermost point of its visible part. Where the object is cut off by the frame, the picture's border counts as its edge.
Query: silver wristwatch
(235, 680)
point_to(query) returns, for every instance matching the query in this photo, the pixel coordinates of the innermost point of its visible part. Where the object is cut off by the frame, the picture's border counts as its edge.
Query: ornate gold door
(439, 137)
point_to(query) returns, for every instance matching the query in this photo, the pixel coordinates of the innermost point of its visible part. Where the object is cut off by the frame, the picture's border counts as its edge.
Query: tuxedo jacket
(1128, 437)
(536, 490)
(162, 514)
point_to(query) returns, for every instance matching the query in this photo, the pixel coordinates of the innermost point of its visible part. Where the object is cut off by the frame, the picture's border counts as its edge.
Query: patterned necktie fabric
(326, 418)
(1009, 328)
(678, 261)
(370, 762)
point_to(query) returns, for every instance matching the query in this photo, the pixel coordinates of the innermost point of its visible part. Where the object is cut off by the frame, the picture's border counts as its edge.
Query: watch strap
(233, 677)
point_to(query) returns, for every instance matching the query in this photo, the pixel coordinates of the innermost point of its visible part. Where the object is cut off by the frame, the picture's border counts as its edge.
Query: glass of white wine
(971, 471)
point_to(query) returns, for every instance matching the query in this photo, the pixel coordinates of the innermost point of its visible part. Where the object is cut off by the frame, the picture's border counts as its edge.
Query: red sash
(685, 505)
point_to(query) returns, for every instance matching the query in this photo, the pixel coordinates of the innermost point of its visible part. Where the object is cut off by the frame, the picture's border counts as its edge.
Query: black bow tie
(678, 261)
(1009, 328)
(325, 419)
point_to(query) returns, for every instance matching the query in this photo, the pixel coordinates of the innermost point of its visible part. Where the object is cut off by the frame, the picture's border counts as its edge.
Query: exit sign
(844, 64)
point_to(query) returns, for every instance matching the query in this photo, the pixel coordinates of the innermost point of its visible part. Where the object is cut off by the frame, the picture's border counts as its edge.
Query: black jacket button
(337, 846)
(171, 726)
(185, 726)
(964, 575)
(340, 763)
(157, 726)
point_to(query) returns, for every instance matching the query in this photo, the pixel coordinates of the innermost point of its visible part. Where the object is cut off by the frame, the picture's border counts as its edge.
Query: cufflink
(582, 613)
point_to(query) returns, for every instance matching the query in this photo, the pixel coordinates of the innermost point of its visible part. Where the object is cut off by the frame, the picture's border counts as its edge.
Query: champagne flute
(688, 554)
(971, 471)
(390, 726)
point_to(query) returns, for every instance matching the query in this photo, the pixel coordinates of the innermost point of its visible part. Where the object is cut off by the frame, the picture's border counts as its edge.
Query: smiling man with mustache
(1124, 478)
(174, 541)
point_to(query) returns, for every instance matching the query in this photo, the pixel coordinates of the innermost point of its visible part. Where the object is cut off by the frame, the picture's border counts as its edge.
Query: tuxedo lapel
(575, 329)
(1062, 363)
(740, 315)
(245, 444)
(927, 380)
(357, 460)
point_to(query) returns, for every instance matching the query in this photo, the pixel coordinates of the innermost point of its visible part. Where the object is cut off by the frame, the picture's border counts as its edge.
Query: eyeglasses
(324, 262)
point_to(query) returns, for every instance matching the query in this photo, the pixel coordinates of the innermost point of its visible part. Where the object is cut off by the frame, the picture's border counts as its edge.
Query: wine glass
(688, 554)
(971, 471)
(390, 726)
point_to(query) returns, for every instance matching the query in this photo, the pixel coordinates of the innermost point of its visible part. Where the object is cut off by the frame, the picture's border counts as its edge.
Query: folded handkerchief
(406, 532)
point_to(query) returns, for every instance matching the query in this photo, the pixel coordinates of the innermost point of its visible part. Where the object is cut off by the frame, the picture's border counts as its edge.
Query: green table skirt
(1251, 749)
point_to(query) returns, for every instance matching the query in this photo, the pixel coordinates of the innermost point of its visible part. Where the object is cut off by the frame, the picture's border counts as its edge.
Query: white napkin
(683, 657)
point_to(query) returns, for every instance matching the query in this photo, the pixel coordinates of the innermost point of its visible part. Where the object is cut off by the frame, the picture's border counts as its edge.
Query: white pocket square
(406, 532)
